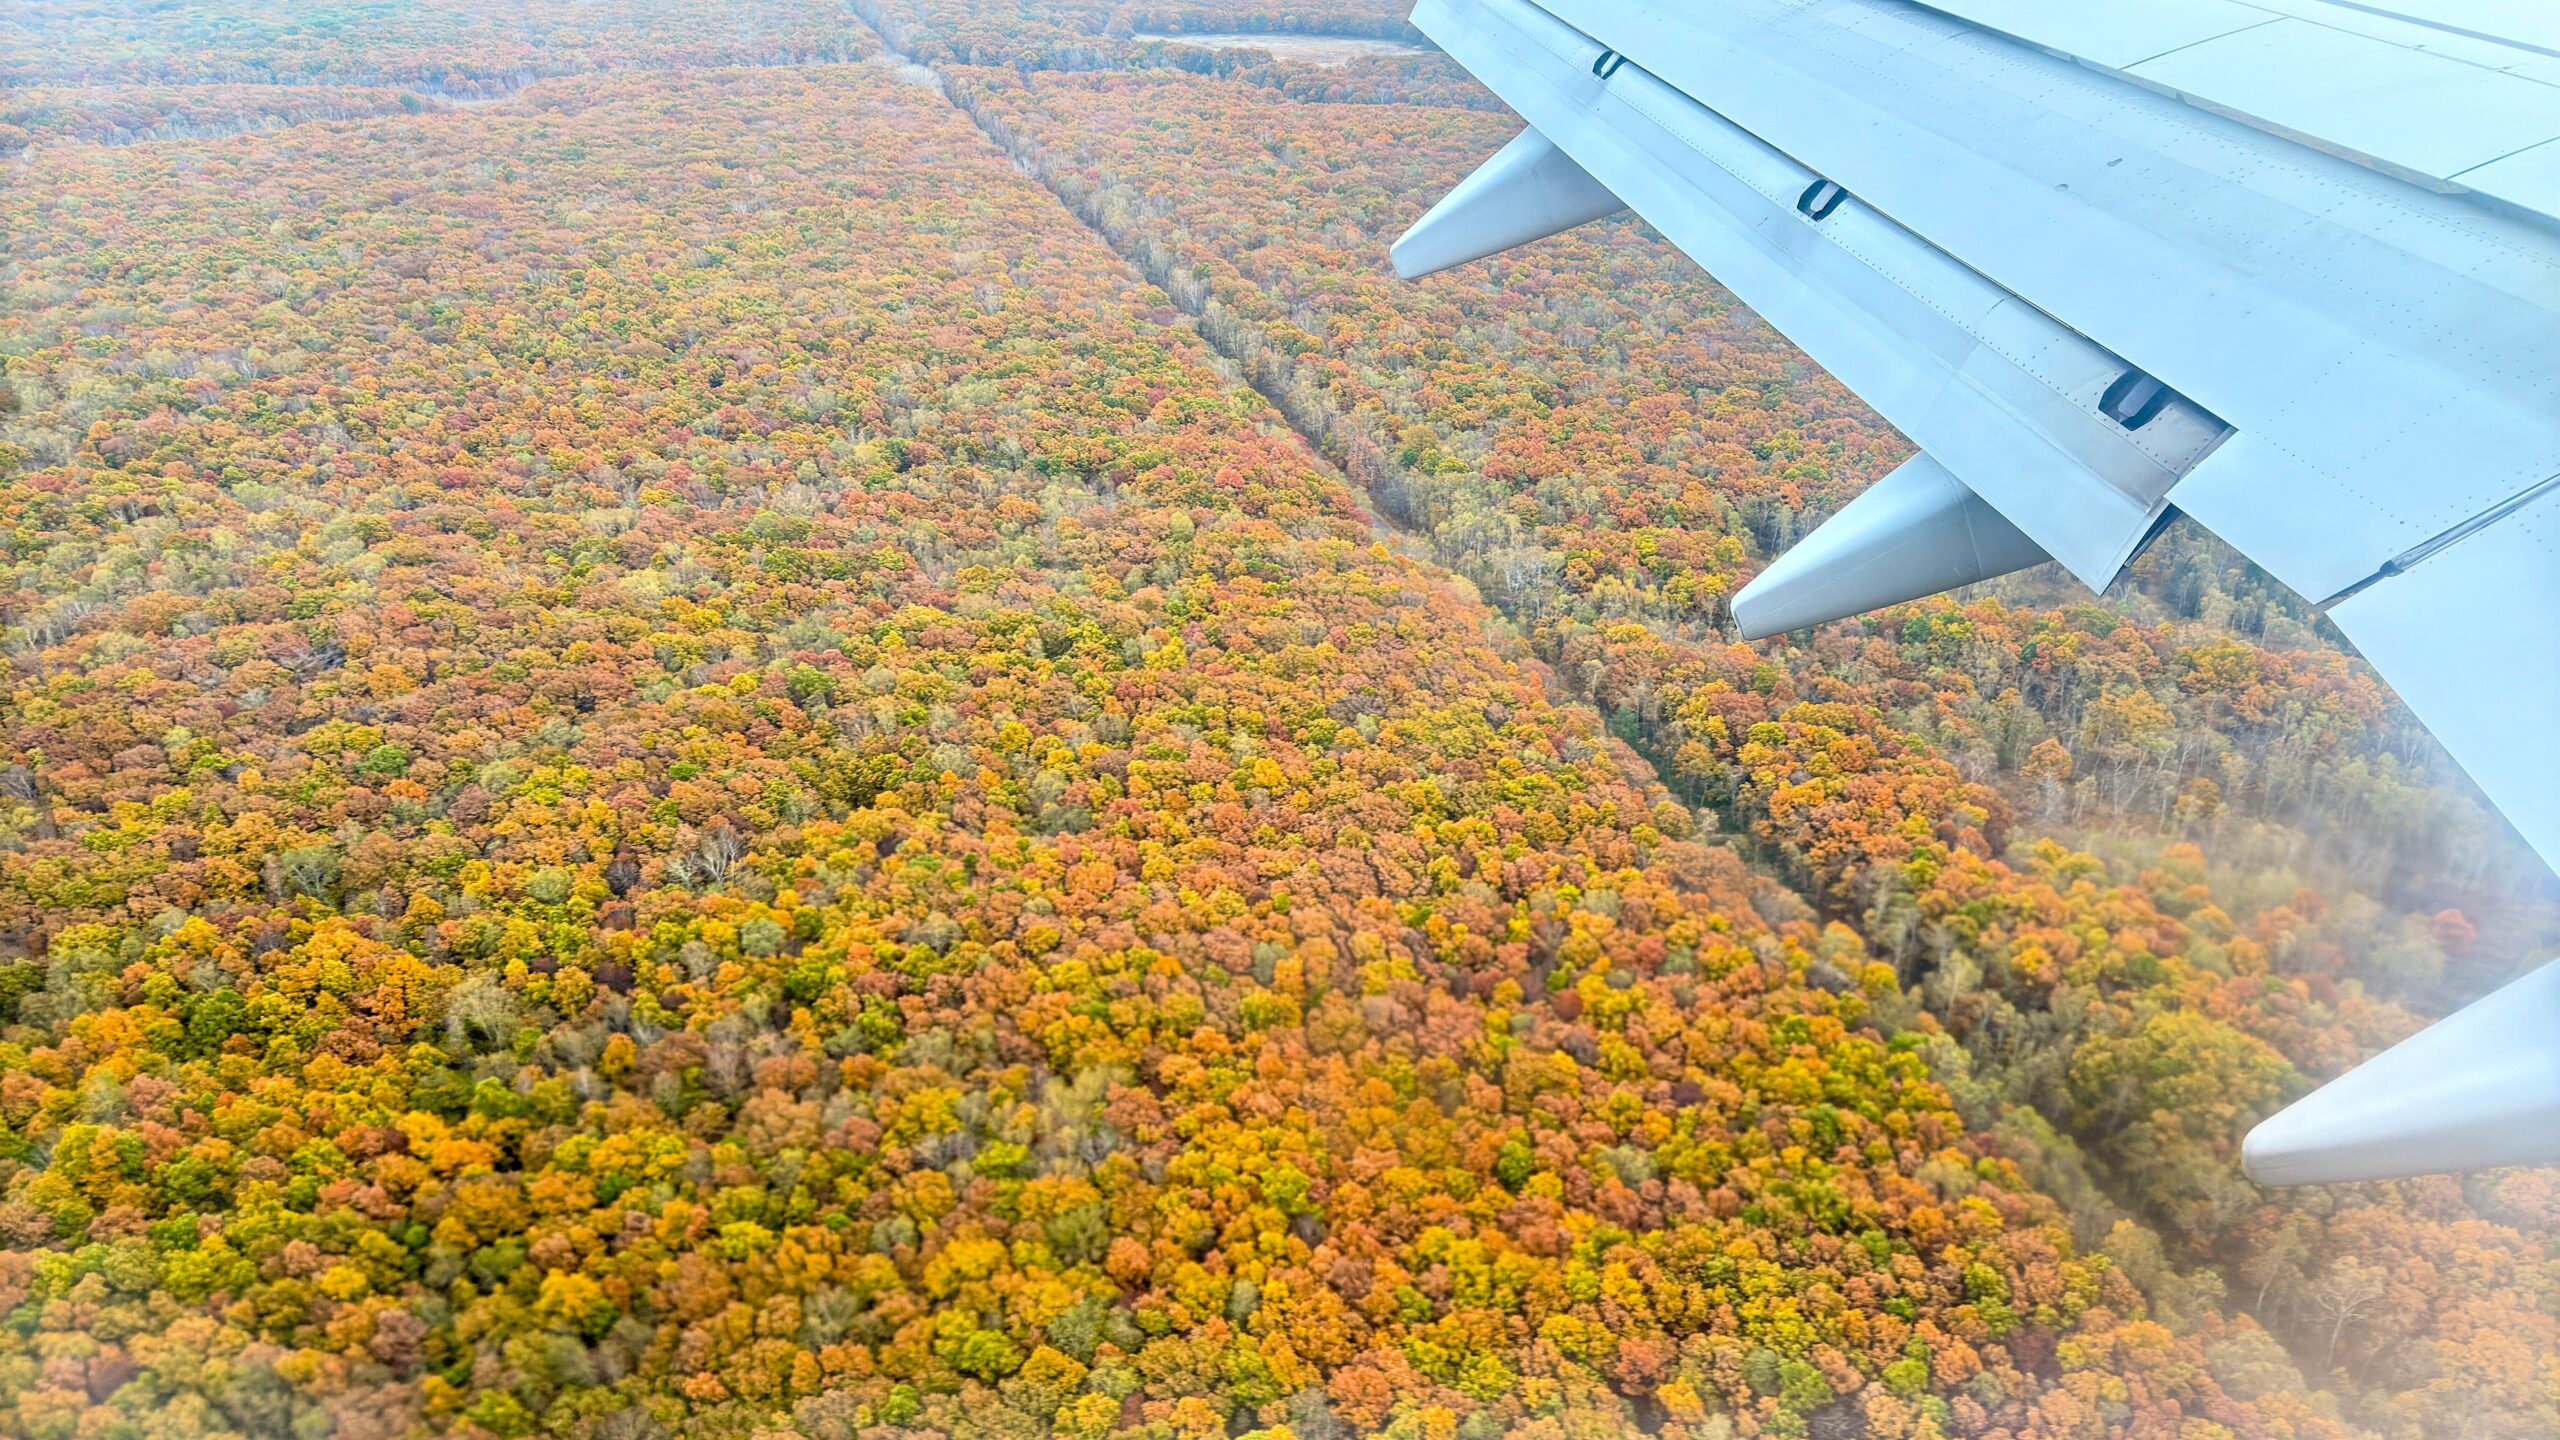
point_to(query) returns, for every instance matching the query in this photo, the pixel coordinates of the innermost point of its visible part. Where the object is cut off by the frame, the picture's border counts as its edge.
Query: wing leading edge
(2093, 299)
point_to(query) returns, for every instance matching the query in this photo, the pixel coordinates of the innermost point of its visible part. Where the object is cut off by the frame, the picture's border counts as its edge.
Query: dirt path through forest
(1346, 445)
(1338, 442)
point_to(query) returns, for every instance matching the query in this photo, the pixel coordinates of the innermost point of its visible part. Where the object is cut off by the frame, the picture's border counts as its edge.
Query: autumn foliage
(678, 763)
(1609, 447)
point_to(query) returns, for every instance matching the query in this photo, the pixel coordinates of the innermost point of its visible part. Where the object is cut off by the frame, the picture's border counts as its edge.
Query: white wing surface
(2289, 267)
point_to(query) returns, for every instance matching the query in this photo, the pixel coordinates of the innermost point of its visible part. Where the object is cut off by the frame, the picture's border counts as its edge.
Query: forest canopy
(756, 720)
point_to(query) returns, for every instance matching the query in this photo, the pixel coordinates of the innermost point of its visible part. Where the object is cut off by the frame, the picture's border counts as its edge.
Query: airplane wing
(2288, 267)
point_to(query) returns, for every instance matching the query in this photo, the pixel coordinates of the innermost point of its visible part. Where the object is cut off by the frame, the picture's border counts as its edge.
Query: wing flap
(2005, 397)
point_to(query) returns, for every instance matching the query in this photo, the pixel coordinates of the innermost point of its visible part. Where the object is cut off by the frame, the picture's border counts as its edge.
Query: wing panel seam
(2428, 549)
(2423, 23)
(2502, 159)
(2145, 60)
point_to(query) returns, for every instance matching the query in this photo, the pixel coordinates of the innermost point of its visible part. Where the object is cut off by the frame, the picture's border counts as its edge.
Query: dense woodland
(763, 720)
